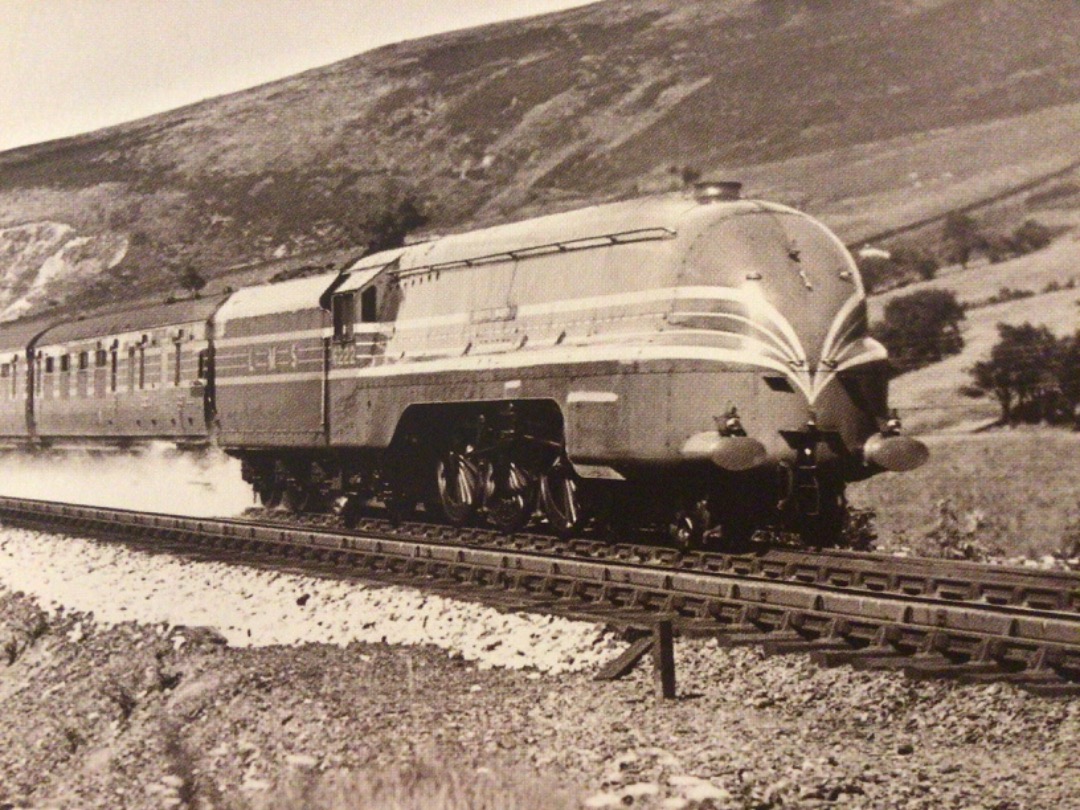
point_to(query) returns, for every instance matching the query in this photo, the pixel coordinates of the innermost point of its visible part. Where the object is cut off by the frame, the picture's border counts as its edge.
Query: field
(1009, 493)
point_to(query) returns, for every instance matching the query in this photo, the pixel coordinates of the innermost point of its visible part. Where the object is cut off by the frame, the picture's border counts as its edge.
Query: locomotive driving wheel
(509, 494)
(458, 480)
(561, 499)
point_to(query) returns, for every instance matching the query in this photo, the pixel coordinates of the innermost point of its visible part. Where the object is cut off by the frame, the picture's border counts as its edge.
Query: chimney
(708, 191)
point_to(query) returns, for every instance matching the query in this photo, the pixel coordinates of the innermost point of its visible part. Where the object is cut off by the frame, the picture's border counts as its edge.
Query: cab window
(369, 305)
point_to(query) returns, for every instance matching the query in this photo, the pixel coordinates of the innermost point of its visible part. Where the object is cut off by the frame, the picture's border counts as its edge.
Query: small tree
(916, 261)
(1031, 236)
(190, 279)
(962, 237)
(396, 221)
(1020, 372)
(921, 328)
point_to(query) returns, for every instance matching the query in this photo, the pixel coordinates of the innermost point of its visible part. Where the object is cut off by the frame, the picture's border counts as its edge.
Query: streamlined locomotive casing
(644, 323)
(687, 344)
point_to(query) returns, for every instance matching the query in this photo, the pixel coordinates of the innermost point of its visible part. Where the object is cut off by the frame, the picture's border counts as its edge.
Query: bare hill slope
(830, 98)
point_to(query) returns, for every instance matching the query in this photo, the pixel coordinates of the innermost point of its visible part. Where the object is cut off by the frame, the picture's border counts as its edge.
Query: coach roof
(134, 319)
(15, 336)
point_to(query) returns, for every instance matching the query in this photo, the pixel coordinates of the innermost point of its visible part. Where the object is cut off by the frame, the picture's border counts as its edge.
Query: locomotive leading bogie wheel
(687, 528)
(458, 481)
(561, 499)
(826, 528)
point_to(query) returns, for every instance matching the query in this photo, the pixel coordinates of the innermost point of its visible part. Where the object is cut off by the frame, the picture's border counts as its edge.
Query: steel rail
(952, 580)
(927, 634)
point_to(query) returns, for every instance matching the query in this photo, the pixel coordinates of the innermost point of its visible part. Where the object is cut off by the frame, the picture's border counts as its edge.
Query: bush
(921, 328)
(1034, 376)
(962, 237)
(958, 535)
(1031, 236)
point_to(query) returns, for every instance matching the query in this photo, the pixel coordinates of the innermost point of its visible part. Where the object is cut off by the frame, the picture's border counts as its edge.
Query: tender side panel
(270, 372)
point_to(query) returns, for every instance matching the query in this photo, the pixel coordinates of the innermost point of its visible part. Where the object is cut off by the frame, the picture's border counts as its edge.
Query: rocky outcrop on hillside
(42, 260)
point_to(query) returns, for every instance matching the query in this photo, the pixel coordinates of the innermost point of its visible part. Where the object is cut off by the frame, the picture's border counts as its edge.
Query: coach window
(115, 365)
(50, 363)
(15, 377)
(344, 313)
(84, 360)
(101, 358)
(5, 372)
(131, 368)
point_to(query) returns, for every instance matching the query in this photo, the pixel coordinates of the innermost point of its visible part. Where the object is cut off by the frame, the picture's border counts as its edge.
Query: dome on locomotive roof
(708, 191)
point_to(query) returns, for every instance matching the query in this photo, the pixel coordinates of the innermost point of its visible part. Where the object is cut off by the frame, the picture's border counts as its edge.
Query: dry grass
(1017, 491)
(423, 785)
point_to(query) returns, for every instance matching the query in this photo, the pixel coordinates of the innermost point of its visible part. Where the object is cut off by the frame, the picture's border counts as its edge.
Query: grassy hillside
(929, 398)
(866, 112)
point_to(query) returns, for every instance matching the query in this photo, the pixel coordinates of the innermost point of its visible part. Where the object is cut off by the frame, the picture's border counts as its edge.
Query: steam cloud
(158, 478)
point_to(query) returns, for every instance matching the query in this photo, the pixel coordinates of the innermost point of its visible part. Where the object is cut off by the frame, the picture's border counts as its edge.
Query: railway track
(928, 618)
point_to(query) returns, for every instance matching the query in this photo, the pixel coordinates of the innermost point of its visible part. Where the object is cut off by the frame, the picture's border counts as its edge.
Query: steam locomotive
(698, 362)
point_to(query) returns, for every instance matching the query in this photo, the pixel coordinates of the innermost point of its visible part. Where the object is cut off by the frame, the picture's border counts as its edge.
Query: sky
(72, 66)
